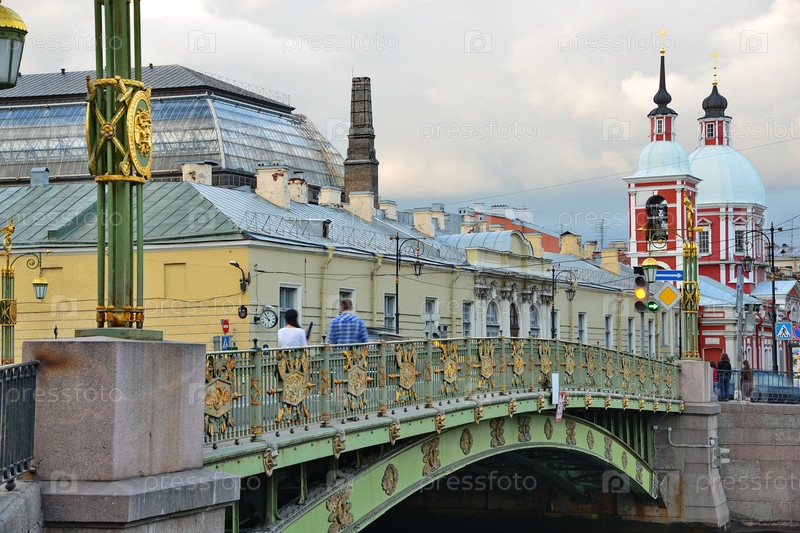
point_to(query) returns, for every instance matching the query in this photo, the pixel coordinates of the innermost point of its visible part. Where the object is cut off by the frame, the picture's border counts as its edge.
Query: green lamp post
(12, 41)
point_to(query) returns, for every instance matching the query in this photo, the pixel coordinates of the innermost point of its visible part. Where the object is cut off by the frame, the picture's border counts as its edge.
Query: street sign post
(225, 325)
(669, 275)
(796, 331)
(562, 396)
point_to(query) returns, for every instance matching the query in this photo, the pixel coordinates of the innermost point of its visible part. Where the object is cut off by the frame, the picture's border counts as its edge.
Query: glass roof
(185, 128)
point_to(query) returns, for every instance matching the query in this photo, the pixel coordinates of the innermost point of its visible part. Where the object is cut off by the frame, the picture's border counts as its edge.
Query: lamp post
(417, 271)
(245, 281)
(12, 41)
(748, 264)
(570, 290)
(8, 304)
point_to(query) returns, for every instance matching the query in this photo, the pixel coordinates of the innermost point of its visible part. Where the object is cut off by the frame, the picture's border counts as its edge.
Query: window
(631, 335)
(535, 330)
(349, 294)
(608, 332)
(389, 310)
(739, 241)
(582, 327)
(704, 241)
(651, 338)
(492, 321)
(676, 328)
(288, 300)
(513, 318)
(466, 319)
(556, 325)
(431, 306)
(659, 125)
(709, 130)
(663, 328)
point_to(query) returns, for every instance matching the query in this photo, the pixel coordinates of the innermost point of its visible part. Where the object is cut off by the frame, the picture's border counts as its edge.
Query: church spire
(715, 124)
(662, 118)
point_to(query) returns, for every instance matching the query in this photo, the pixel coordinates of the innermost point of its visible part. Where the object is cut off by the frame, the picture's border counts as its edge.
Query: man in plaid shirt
(347, 328)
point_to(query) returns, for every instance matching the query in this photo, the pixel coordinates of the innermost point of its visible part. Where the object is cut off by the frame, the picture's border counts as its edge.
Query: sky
(531, 104)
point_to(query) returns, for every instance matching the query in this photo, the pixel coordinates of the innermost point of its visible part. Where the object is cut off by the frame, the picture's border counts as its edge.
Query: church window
(709, 130)
(657, 220)
(739, 241)
(704, 241)
(660, 125)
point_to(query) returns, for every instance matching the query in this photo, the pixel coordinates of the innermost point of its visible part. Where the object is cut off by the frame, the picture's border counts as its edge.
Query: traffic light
(721, 456)
(640, 293)
(652, 306)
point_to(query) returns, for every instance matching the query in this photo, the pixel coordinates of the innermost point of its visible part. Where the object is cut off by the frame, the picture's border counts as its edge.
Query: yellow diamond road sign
(668, 295)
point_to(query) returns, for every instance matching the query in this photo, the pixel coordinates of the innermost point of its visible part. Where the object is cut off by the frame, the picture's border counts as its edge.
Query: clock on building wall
(268, 318)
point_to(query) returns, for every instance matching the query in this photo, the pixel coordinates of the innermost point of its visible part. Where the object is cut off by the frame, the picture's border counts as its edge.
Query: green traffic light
(652, 306)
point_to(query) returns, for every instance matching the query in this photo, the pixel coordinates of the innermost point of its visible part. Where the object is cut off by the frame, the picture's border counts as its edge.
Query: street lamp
(12, 41)
(417, 272)
(8, 304)
(570, 291)
(245, 281)
(748, 265)
(650, 268)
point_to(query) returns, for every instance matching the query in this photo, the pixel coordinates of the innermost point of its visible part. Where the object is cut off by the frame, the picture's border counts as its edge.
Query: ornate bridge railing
(17, 413)
(249, 392)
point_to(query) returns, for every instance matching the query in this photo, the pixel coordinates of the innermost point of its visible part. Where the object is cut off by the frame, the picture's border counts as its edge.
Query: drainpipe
(323, 289)
(620, 301)
(374, 276)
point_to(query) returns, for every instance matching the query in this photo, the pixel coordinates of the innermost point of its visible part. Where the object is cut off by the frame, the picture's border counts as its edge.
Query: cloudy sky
(532, 104)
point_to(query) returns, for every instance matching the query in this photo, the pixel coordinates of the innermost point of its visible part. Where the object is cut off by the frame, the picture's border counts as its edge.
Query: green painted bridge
(328, 438)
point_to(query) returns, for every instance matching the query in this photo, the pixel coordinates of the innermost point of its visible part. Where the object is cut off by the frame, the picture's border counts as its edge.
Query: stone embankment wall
(21, 509)
(762, 480)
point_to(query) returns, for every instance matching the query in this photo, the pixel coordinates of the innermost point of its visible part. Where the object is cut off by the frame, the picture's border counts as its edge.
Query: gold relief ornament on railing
(590, 367)
(517, 363)
(626, 374)
(389, 480)
(440, 421)
(524, 426)
(486, 365)
(570, 425)
(512, 407)
(569, 363)
(406, 357)
(466, 441)
(132, 115)
(608, 367)
(356, 369)
(656, 378)
(642, 375)
(478, 413)
(394, 430)
(450, 368)
(219, 395)
(340, 517)
(548, 428)
(294, 373)
(545, 363)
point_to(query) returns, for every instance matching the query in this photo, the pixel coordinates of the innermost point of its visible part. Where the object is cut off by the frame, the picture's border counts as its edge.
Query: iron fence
(249, 392)
(758, 386)
(17, 413)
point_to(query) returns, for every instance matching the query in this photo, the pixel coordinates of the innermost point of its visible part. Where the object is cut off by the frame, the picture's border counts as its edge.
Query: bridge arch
(357, 500)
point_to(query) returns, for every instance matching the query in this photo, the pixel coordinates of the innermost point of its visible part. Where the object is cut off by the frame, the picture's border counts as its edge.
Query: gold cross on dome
(715, 55)
(663, 33)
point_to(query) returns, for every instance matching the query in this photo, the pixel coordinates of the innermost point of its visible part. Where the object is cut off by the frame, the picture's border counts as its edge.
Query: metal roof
(164, 79)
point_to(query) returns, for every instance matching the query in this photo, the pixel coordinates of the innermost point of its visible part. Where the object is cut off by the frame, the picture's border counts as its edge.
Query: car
(774, 387)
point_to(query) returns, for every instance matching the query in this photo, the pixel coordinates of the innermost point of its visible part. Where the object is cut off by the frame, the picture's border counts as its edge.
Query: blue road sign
(669, 275)
(225, 343)
(783, 331)
(796, 331)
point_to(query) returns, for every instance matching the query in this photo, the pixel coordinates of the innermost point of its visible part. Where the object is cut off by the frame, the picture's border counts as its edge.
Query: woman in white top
(291, 335)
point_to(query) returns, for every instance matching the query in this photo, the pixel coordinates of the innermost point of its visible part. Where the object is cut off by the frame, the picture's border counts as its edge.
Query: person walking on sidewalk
(724, 369)
(347, 328)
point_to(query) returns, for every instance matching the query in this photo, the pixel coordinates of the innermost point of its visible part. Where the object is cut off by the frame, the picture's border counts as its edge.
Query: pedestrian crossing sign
(783, 331)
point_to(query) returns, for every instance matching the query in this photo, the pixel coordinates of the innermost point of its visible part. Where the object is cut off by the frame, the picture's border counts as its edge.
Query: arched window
(535, 331)
(514, 321)
(492, 321)
(657, 221)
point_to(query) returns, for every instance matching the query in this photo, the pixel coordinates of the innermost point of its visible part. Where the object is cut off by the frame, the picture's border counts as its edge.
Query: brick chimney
(361, 166)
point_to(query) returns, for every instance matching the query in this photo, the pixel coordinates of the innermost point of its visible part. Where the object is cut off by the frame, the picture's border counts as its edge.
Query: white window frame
(704, 240)
(467, 318)
(609, 331)
(350, 294)
(389, 311)
(535, 323)
(295, 304)
(659, 126)
(582, 328)
(710, 129)
(631, 335)
(492, 320)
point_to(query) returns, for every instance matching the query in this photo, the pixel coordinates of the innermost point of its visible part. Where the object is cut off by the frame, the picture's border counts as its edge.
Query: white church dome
(728, 177)
(662, 158)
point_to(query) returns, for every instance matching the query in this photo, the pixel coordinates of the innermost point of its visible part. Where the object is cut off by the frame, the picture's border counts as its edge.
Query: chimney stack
(361, 166)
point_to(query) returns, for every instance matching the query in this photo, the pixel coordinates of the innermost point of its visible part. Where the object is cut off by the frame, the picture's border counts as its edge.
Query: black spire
(662, 97)
(715, 104)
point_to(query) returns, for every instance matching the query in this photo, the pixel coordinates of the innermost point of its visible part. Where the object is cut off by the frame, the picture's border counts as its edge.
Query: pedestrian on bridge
(714, 379)
(291, 335)
(347, 328)
(747, 380)
(724, 369)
